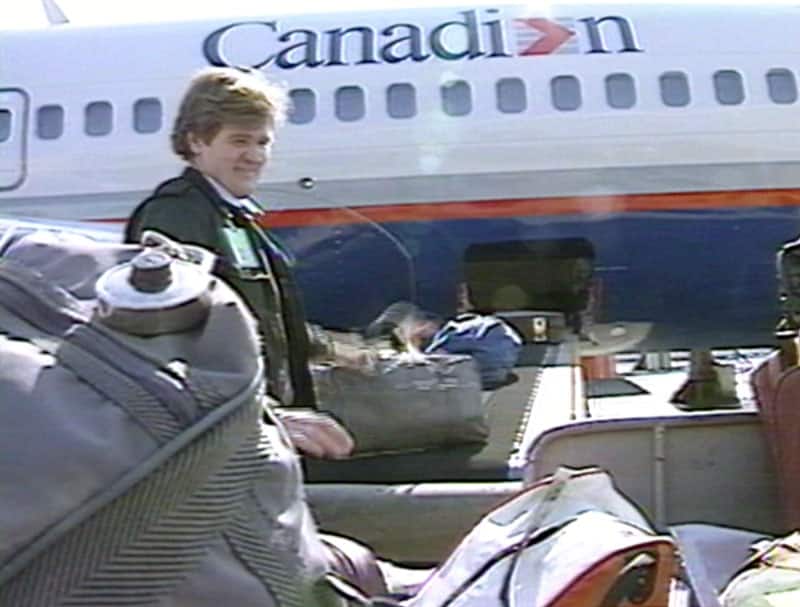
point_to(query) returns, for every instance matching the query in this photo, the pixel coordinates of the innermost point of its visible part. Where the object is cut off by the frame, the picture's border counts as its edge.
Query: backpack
(136, 467)
(137, 470)
(493, 344)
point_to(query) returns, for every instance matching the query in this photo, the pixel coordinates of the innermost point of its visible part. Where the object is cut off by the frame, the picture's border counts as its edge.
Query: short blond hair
(221, 96)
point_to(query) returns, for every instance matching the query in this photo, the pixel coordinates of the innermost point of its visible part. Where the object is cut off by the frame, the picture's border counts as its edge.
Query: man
(224, 131)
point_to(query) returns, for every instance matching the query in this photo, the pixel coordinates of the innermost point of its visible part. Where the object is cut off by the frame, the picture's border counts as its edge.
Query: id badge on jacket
(243, 252)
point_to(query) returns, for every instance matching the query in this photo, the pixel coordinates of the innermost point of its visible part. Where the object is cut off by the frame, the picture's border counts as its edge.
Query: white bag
(569, 540)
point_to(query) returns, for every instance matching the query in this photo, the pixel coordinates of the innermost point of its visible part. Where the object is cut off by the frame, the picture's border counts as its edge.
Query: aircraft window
(511, 97)
(401, 100)
(5, 125)
(620, 91)
(674, 89)
(728, 87)
(565, 92)
(782, 86)
(304, 106)
(50, 122)
(456, 98)
(147, 115)
(98, 118)
(349, 103)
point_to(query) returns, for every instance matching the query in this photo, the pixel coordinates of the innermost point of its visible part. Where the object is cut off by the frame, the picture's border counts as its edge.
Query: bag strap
(558, 483)
(513, 552)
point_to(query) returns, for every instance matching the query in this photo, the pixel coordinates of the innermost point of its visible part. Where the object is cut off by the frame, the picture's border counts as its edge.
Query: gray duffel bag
(406, 403)
(135, 466)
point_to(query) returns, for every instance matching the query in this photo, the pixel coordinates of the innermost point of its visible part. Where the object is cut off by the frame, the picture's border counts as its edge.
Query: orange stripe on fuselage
(527, 207)
(521, 207)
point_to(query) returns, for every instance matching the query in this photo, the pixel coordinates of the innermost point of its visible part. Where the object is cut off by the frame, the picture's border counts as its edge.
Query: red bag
(777, 391)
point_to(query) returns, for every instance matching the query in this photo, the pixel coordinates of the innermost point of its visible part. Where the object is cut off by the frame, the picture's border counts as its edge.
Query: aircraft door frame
(14, 105)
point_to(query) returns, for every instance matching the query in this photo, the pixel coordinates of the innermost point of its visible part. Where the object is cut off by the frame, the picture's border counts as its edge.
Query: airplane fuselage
(663, 137)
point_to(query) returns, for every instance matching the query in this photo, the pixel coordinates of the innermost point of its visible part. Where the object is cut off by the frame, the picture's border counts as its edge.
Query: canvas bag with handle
(571, 540)
(406, 402)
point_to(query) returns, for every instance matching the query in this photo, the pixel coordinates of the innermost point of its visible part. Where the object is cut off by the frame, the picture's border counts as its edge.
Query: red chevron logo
(547, 35)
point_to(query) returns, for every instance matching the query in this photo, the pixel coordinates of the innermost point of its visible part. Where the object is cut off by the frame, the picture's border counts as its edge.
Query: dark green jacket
(189, 209)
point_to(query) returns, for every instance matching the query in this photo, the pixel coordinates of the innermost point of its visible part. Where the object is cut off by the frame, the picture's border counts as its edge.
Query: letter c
(212, 45)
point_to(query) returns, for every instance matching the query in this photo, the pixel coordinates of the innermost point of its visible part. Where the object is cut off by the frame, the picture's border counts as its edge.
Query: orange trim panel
(532, 207)
(528, 207)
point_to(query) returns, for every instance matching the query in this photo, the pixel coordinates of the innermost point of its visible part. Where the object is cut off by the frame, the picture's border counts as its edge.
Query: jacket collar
(198, 180)
(195, 177)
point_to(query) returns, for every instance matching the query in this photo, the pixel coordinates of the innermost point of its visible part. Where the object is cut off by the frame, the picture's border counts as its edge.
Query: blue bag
(491, 342)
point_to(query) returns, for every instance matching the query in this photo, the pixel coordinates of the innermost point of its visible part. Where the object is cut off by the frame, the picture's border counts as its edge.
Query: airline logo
(469, 35)
(538, 36)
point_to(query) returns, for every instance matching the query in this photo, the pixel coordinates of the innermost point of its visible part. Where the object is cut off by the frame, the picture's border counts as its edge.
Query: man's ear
(195, 143)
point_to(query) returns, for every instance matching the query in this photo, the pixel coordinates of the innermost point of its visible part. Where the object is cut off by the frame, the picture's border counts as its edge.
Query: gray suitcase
(406, 404)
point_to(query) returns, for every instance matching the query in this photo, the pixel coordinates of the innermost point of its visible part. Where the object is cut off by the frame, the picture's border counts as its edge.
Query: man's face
(235, 156)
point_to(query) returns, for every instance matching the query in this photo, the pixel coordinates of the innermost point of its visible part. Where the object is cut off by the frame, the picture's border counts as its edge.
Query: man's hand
(359, 358)
(315, 434)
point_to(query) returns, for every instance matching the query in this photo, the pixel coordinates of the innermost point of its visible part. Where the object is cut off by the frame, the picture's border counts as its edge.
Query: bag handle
(558, 481)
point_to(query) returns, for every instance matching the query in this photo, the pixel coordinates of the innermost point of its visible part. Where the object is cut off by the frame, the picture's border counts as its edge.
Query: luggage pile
(138, 471)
